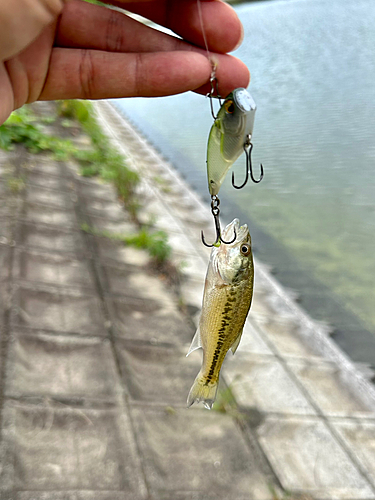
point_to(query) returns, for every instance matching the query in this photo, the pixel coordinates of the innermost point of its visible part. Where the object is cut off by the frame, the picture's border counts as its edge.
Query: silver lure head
(234, 261)
(237, 114)
(230, 131)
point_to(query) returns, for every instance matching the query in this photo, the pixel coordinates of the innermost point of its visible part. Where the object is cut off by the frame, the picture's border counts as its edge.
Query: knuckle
(86, 74)
(114, 34)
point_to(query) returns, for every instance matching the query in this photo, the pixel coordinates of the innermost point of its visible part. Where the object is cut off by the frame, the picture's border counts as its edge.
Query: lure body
(226, 303)
(230, 131)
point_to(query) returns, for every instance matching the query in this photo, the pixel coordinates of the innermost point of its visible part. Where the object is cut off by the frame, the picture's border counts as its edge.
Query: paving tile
(44, 180)
(181, 244)
(9, 203)
(40, 495)
(112, 210)
(4, 300)
(110, 249)
(285, 336)
(123, 226)
(52, 447)
(37, 194)
(158, 374)
(323, 381)
(263, 382)
(57, 269)
(192, 495)
(252, 342)
(7, 165)
(260, 309)
(4, 191)
(9, 206)
(192, 292)
(306, 457)
(151, 320)
(46, 166)
(65, 311)
(190, 265)
(109, 495)
(95, 189)
(5, 230)
(157, 213)
(44, 214)
(50, 239)
(47, 365)
(191, 216)
(196, 451)
(5, 252)
(359, 436)
(134, 281)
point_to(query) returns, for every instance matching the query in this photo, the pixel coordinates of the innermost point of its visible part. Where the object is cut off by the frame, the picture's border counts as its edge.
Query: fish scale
(228, 308)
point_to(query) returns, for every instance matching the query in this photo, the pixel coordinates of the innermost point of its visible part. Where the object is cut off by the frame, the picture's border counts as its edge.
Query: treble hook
(215, 202)
(249, 167)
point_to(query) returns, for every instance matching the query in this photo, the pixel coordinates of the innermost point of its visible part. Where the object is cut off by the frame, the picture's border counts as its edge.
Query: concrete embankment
(94, 374)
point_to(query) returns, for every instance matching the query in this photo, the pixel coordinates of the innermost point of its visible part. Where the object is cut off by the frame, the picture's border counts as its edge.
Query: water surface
(312, 217)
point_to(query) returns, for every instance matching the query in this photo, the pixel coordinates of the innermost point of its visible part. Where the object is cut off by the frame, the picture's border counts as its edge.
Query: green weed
(22, 127)
(156, 243)
(103, 160)
(225, 402)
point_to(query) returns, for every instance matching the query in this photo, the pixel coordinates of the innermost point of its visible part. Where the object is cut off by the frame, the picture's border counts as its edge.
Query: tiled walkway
(93, 370)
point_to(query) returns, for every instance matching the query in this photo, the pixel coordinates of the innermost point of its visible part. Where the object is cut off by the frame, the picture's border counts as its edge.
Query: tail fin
(202, 391)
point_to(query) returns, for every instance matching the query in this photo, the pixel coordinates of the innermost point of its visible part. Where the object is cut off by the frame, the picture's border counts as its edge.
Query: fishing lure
(229, 137)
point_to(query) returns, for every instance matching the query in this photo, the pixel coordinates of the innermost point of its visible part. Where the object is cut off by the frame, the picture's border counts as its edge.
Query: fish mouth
(241, 231)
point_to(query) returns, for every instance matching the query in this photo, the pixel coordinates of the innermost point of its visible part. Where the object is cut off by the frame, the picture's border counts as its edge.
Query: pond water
(312, 218)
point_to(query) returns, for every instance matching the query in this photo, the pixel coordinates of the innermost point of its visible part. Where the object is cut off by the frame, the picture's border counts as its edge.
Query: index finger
(221, 25)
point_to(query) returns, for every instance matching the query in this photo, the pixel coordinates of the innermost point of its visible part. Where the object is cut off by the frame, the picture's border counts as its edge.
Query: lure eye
(245, 249)
(229, 107)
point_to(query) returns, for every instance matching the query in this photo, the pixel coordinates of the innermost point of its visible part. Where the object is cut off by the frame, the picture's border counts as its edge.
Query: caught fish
(229, 133)
(226, 302)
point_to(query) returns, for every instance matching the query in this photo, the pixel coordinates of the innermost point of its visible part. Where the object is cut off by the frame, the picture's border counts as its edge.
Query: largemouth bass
(228, 134)
(226, 302)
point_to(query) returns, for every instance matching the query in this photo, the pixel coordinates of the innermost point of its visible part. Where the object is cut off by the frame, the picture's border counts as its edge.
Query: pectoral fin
(236, 342)
(196, 342)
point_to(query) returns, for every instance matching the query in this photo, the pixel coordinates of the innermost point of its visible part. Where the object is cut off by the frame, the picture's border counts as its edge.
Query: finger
(100, 75)
(28, 70)
(6, 101)
(110, 30)
(21, 21)
(222, 27)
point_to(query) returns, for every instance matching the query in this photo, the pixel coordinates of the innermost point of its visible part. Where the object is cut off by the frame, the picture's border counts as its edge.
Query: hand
(51, 49)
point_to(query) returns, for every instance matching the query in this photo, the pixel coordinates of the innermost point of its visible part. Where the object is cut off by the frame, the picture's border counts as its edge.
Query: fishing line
(203, 30)
(215, 202)
(213, 79)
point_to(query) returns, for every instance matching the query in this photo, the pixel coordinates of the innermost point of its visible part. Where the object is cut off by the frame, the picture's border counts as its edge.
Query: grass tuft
(156, 243)
(102, 160)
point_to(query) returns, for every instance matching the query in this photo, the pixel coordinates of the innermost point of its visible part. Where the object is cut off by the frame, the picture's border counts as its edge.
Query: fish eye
(229, 107)
(245, 249)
